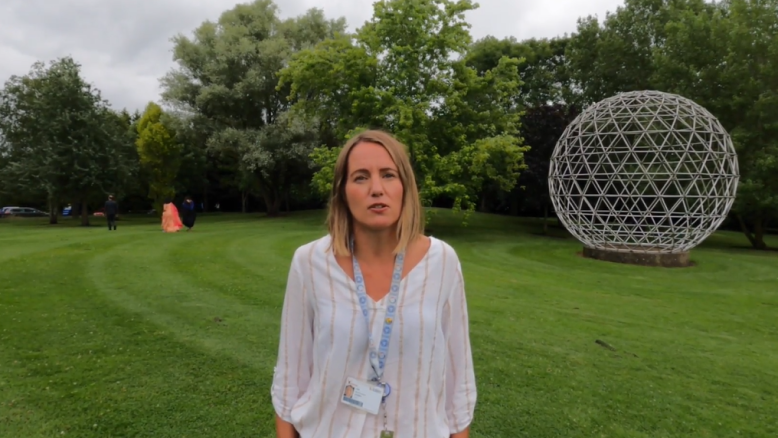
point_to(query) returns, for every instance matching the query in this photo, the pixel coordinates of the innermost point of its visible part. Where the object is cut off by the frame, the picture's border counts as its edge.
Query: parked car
(22, 212)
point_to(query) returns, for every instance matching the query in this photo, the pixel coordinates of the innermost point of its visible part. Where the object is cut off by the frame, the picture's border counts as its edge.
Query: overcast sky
(124, 45)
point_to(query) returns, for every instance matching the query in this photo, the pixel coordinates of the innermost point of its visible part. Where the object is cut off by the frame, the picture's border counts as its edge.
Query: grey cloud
(124, 46)
(535, 18)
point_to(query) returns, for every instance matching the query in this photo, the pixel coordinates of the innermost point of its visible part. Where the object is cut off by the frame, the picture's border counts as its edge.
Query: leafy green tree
(722, 55)
(398, 73)
(126, 160)
(543, 125)
(192, 133)
(228, 74)
(543, 67)
(617, 55)
(160, 155)
(64, 142)
(726, 59)
(546, 90)
(270, 159)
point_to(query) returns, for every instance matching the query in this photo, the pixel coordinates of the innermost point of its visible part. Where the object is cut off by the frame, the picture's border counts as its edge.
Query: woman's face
(374, 192)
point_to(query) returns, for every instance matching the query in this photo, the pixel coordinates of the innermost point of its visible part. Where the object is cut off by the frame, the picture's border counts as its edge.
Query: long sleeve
(460, 376)
(292, 372)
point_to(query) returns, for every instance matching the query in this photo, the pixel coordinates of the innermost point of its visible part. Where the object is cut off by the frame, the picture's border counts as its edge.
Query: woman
(189, 216)
(413, 376)
(171, 223)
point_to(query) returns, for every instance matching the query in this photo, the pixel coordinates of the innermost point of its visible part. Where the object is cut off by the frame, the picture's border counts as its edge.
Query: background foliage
(258, 106)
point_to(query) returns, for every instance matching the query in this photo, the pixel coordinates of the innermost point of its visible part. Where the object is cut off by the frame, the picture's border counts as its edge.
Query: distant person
(171, 223)
(111, 209)
(189, 214)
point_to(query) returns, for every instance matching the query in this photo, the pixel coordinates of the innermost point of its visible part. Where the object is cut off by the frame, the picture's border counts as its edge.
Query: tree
(65, 142)
(160, 155)
(543, 125)
(124, 165)
(15, 185)
(543, 67)
(397, 74)
(25, 109)
(617, 56)
(721, 55)
(726, 59)
(548, 94)
(228, 74)
(192, 132)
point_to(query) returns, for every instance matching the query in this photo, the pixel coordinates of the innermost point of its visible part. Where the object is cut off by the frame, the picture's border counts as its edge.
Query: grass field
(136, 333)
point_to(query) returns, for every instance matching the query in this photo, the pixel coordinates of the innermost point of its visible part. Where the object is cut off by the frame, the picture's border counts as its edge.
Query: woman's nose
(376, 187)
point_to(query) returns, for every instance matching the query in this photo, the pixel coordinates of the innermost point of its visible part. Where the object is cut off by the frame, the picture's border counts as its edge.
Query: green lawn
(136, 333)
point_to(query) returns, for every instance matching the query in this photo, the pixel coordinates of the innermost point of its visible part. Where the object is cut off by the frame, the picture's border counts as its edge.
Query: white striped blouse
(324, 341)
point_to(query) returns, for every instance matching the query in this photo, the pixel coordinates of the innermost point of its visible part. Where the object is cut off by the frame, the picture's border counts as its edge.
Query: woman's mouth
(378, 208)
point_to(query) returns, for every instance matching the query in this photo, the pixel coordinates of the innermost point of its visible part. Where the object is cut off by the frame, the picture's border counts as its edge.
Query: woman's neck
(375, 246)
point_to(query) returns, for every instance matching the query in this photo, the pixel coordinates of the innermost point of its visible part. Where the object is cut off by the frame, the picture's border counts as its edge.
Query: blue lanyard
(378, 356)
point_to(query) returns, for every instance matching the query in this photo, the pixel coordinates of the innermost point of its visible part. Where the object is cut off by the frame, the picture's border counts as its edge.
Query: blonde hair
(339, 220)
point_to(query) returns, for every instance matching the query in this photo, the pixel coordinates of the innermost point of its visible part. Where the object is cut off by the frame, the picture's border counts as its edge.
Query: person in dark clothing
(188, 214)
(111, 209)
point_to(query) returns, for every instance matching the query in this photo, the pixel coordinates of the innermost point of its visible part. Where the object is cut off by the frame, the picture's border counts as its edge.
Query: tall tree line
(258, 106)
(60, 139)
(722, 54)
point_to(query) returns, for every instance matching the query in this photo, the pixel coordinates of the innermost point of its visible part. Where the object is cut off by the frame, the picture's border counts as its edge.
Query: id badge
(365, 396)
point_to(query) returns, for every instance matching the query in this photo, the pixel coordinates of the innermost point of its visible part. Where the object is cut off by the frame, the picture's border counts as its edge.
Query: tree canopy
(227, 76)
(258, 106)
(397, 73)
(160, 154)
(721, 55)
(63, 141)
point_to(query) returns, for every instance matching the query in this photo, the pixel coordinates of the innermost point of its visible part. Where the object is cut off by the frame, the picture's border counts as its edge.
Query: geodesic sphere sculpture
(643, 171)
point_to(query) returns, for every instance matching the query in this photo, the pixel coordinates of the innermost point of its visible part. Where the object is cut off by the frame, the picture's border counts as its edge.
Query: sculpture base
(650, 258)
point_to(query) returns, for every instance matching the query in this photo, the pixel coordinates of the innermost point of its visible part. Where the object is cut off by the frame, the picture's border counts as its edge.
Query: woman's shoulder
(311, 251)
(443, 252)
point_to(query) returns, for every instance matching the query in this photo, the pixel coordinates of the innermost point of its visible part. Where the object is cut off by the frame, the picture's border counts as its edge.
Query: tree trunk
(272, 203)
(84, 214)
(274, 208)
(545, 218)
(484, 205)
(759, 231)
(205, 200)
(514, 208)
(757, 237)
(53, 211)
(243, 201)
(744, 229)
(158, 207)
(286, 199)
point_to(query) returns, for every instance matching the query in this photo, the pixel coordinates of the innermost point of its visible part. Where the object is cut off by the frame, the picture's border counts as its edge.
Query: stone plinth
(650, 258)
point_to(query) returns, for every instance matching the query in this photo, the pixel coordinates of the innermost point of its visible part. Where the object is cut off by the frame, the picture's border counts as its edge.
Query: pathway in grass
(136, 333)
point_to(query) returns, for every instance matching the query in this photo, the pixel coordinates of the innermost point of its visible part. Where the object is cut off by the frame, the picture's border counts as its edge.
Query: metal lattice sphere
(643, 171)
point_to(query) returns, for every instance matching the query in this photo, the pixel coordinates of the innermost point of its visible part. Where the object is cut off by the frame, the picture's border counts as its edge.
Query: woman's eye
(389, 175)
